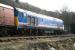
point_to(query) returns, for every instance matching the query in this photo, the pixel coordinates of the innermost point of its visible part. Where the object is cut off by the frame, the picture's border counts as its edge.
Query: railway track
(6, 39)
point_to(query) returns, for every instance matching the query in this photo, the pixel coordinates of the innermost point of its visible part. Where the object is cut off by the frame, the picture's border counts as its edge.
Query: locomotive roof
(6, 6)
(39, 15)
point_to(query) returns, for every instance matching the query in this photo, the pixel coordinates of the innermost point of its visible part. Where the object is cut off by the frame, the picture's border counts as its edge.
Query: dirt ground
(42, 44)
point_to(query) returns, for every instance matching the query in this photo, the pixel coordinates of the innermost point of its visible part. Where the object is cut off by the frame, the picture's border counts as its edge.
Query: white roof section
(6, 6)
(28, 12)
(32, 13)
(59, 20)
(45, 16)
(21, 10)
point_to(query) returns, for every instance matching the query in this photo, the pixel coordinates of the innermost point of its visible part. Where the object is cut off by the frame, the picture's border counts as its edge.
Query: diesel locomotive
(20, 22)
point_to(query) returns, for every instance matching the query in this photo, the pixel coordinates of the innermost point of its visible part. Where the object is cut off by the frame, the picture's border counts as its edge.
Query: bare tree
(67, 17)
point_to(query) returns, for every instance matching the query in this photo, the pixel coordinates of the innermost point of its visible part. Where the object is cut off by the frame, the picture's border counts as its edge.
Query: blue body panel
(22, 19)
(43, 21)
(49, 23)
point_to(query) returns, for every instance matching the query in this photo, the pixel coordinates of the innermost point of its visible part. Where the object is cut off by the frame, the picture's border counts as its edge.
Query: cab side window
(29, 20)
(36, 21)
(25, 17)
(33, 21)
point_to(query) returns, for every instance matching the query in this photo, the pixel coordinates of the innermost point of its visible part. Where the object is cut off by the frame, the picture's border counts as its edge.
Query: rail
(6, 39)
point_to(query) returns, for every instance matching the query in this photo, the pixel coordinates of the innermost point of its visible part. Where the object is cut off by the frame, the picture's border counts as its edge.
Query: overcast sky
(52, 5)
